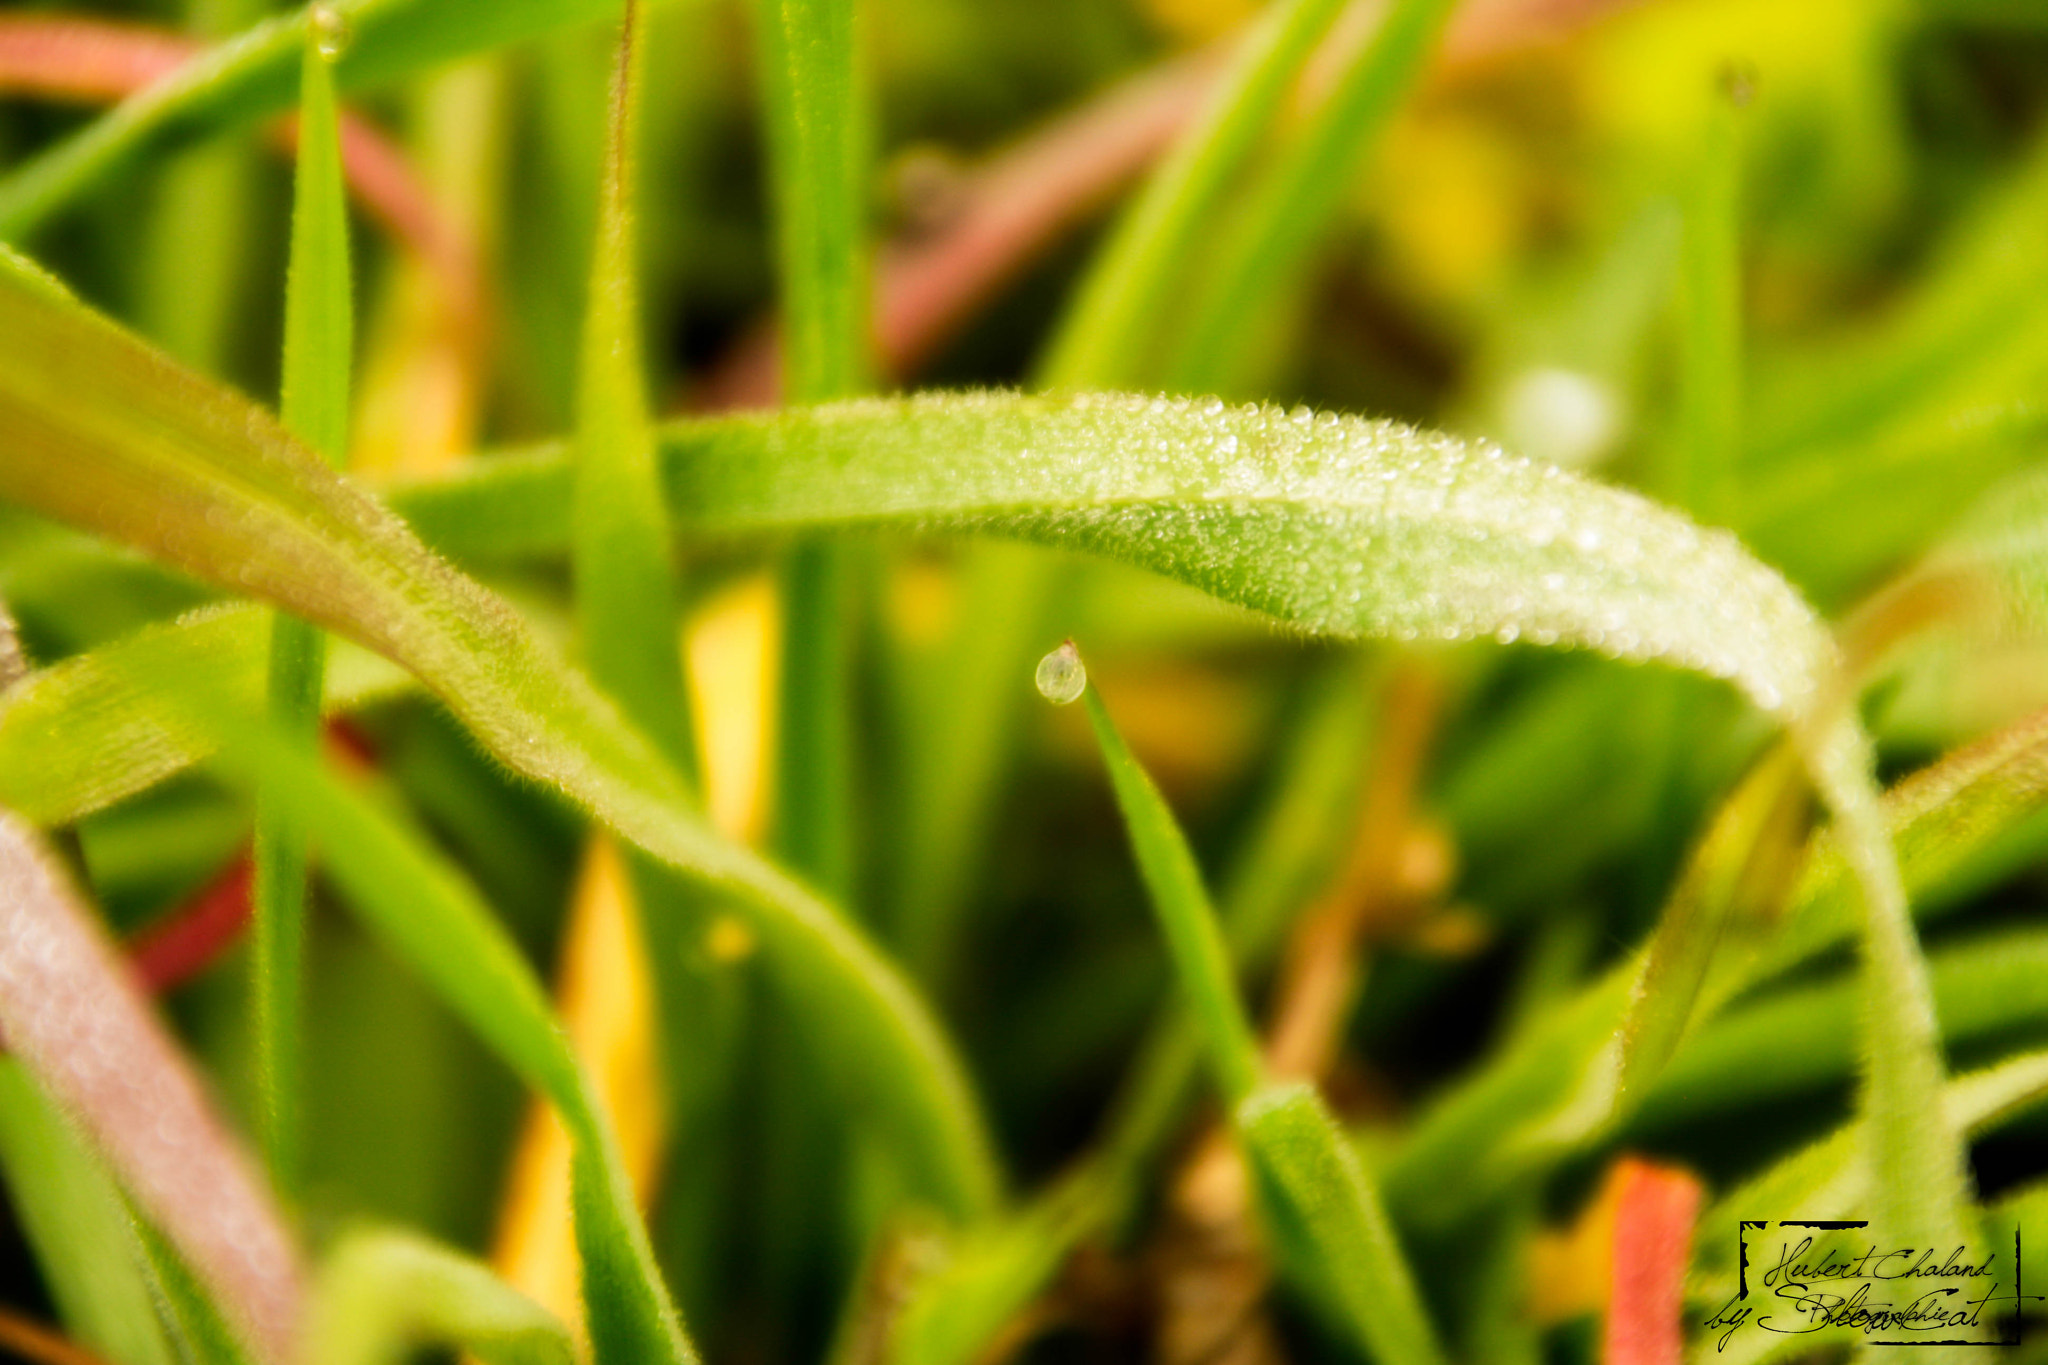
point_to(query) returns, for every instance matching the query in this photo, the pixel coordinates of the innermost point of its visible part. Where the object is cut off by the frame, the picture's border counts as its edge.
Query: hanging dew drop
(1062, 677)
(331, 31)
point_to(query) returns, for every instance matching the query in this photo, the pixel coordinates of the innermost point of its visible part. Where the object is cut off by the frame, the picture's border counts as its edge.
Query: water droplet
(331, 31)
(1062, 677)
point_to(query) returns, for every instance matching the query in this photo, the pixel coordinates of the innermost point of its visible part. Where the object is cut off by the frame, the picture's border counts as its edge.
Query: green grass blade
(381, 1294)
(77, 1021)
(816, 120)
(1129, 285)
(102, 431)
(72, 1216)
(817, 127)
(1326, 1210)
(1710, 316)
(1295, 198)
(1719, 884)
(623, 566)
(318, 346)
(256, 73)
(1174, 883)
(426, 914)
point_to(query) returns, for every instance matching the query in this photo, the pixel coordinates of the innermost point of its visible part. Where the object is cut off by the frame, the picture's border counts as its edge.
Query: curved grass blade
(1287, 209)
(317, 351)
(382, 1294)
(256, 72)
(72, 1014)
(1327, 1212)
(427, 915)
(104, 432)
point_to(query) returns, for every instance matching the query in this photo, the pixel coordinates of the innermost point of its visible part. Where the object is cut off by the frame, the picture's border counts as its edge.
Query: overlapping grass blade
(427, 915)
(625, 579)
(1115, 315)
(256, 73)
(77, 1021)
(318, 353)
(1324, 1207)
(382, 1294)
(72, 1216)
(101, 431)
(1286, 210)
(91, 729)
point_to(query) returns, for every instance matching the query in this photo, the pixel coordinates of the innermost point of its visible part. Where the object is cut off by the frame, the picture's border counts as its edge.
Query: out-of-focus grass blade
(818, 135)
(83, 733)
(1115, 314)
(1317, 1193)
(1986, 988)
(426, 914)
(72, 1215)
(1553, 1090)
(74, 1017)
(1832, 1178)
(106, 433)
(382, 1294)
(625, 579)
(1285, 212)
(256, 73)
(318, 353)
(1743, 862)
(1710, 314)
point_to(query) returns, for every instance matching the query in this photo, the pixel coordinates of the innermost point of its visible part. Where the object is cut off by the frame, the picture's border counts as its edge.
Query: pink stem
(1652, 1242)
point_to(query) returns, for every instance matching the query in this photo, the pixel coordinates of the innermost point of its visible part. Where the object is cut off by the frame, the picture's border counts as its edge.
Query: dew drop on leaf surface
(1062, 677)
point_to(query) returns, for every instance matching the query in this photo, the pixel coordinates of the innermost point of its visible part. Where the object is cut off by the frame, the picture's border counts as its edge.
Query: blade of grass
(1285, 212)
(817, 127)
(73, 1218)
(423, 911)
(104, 431)
(89, 730)
(1710, 313)
(621, 558)
(255, 73)
(318, 345)
(1317, 1191)
(1116, 310)
(73, 1016)
(383, 1293)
